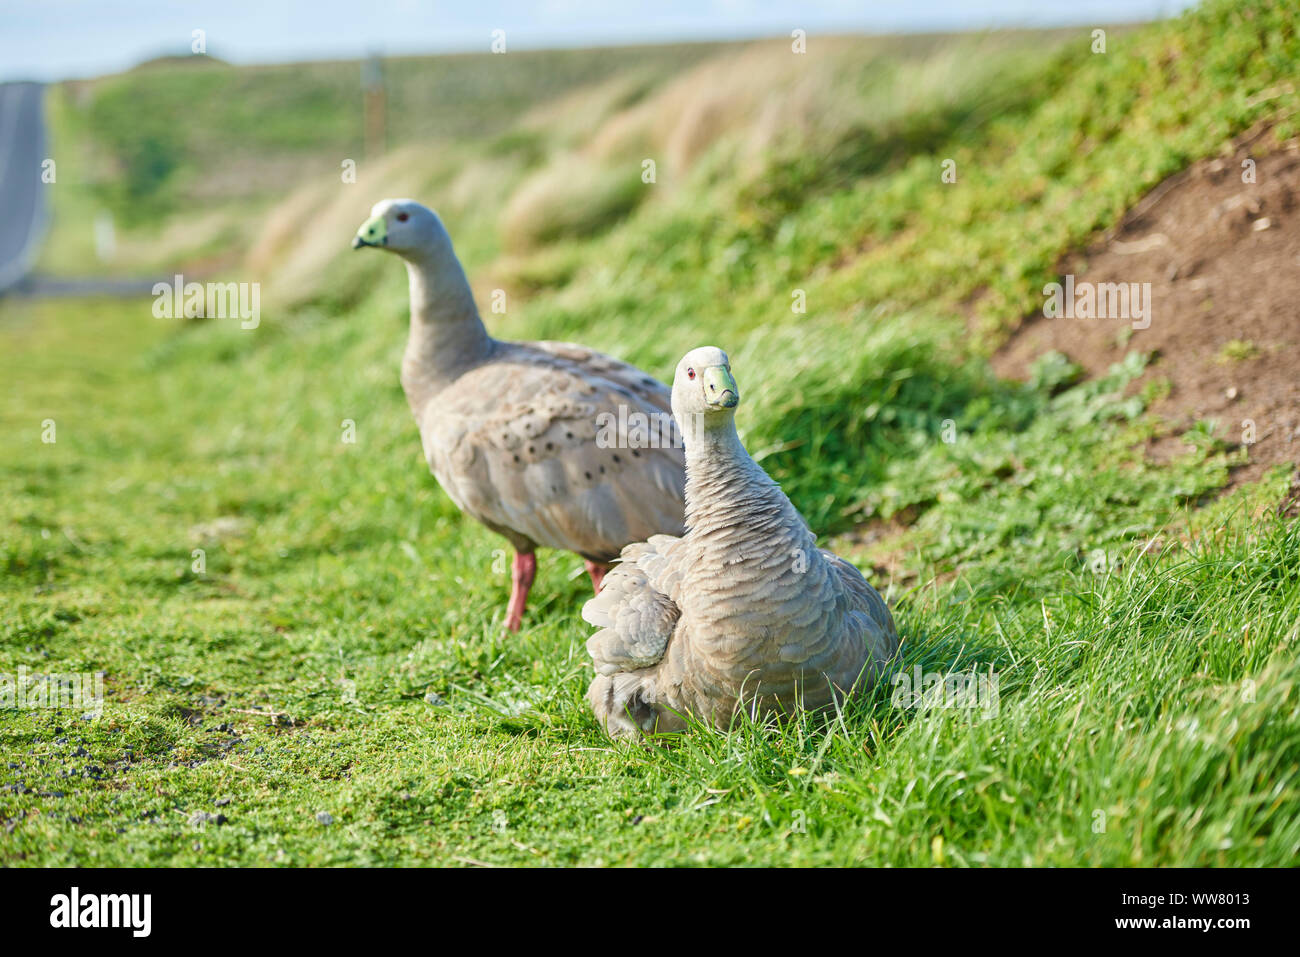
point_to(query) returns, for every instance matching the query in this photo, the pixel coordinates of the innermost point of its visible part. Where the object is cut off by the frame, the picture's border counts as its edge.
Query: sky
(61, 39)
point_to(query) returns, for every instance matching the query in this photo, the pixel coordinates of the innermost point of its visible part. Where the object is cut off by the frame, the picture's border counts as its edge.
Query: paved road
(22, 194)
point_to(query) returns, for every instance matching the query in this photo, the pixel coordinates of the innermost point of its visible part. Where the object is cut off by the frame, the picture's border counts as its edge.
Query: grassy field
(301, 637)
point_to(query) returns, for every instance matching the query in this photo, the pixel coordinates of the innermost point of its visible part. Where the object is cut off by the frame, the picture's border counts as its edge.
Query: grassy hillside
(135, 145)
(337, 670)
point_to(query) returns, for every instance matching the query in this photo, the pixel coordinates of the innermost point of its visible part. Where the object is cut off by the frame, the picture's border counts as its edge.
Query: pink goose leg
(522, 571)
(597, 572)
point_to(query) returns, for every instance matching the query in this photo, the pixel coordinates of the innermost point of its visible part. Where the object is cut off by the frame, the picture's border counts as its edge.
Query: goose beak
(720, 389)
(373, 232)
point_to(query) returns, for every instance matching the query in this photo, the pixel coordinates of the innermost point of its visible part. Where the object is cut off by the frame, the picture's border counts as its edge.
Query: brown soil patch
(1223, 260)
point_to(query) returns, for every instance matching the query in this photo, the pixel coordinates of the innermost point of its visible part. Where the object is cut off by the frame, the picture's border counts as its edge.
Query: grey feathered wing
(517, 443)
(637, 615)
(868, 616)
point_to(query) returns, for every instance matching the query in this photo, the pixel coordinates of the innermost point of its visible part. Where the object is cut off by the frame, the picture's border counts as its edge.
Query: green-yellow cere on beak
(720, 389)
(373, 232)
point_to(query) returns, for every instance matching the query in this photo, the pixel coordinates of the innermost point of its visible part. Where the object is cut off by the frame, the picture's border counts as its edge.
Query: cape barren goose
(744, 609)
(547, 443)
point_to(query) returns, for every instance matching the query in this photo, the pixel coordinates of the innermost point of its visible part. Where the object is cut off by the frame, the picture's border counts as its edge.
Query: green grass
(341, 651)
(352, 590)
(1237, 350)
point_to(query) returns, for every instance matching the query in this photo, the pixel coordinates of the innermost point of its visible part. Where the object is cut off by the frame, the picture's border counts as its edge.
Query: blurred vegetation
(1144, 630)
(172, 128)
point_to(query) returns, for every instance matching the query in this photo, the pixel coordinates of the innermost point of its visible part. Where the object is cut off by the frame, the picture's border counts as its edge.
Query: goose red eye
(403, 217)
(690, 373)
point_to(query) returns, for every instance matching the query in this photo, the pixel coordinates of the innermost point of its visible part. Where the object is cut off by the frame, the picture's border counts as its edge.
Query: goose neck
(446, 332)
(723, 484)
